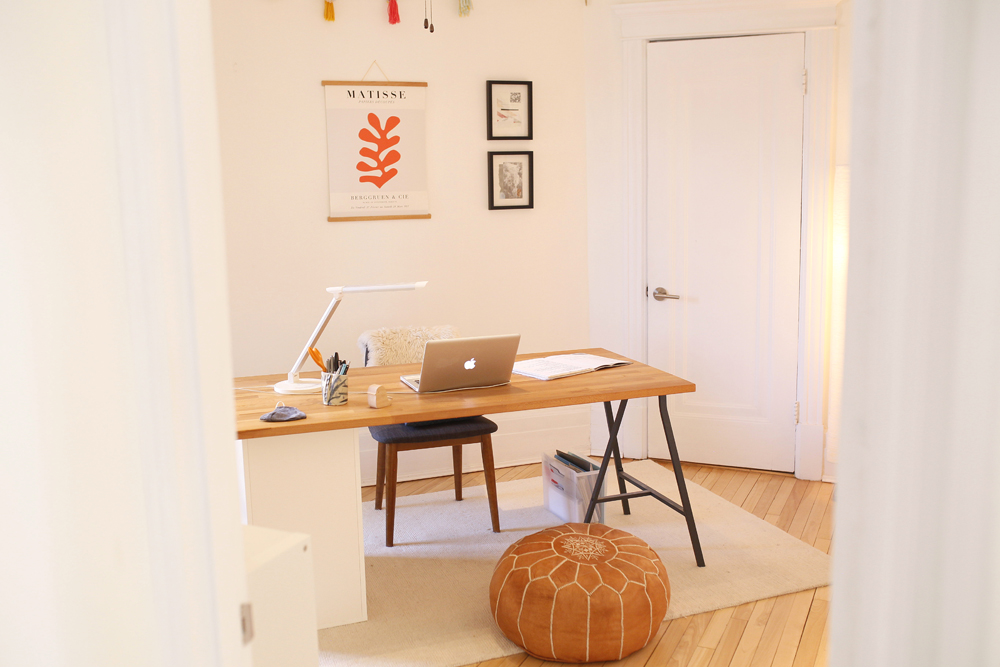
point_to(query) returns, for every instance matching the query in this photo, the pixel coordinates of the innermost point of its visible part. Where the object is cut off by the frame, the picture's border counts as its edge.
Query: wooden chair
(395, 438)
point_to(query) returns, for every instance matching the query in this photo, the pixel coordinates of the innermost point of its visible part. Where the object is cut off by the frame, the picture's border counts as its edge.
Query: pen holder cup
(334, 389)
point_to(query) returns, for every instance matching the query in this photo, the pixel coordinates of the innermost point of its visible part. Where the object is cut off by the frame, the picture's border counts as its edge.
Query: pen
(336, 363)
(343, 368)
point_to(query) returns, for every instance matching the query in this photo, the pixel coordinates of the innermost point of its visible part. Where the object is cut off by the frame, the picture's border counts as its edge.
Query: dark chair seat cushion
(442, 429)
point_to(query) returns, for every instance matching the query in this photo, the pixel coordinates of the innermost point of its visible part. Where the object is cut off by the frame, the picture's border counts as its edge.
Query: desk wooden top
(523, 393)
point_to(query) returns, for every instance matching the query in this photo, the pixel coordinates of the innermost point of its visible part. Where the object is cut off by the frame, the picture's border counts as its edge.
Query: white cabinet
(311, 483)
(282, 598)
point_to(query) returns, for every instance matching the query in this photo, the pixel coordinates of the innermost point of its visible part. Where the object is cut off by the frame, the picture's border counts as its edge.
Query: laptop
(465, 363)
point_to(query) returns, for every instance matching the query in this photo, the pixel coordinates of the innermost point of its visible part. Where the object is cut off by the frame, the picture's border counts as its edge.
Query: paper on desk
(564, 365)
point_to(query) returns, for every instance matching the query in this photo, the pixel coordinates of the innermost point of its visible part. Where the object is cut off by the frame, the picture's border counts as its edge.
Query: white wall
(490, 271)
(519, 271)
(845, 37)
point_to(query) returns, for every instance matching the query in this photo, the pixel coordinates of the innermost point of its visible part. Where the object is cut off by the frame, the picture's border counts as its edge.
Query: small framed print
(512, 179)
(508, 110)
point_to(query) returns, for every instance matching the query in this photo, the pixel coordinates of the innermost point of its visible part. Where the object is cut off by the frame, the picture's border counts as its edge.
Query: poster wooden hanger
(387, 82)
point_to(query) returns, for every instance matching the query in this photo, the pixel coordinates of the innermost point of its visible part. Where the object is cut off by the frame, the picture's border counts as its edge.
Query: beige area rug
(428, 601)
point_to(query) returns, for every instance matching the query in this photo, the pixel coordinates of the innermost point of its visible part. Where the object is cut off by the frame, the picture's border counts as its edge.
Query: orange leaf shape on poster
(382, 142)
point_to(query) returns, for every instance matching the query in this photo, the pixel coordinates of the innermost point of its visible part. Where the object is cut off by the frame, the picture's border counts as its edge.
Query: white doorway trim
(684, 19)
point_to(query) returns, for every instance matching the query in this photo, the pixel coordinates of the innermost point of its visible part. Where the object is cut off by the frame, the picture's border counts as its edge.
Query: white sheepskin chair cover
(402, 345)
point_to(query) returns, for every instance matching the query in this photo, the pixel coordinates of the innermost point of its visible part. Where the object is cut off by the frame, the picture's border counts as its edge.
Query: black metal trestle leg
(675, 461)
(613, 426)
(618, 455)
(684, 507)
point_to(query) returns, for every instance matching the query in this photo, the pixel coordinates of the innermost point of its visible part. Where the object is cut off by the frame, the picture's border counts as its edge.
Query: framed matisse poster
(508, 110)
(512, 179)
(377, 150)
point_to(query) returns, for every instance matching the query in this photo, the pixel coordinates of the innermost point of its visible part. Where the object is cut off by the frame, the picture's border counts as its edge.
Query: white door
(724, 128)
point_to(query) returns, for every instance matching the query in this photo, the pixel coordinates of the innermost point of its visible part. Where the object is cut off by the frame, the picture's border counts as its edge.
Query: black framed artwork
(512, 179)
(508, 110)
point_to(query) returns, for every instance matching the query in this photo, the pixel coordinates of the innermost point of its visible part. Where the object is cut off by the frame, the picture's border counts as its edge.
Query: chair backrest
(402, 345)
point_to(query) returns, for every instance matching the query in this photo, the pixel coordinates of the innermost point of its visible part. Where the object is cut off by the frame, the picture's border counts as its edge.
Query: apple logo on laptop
(470, 364)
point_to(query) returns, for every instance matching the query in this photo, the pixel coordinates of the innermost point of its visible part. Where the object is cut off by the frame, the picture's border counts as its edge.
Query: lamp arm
(293, 385)
(293, 375)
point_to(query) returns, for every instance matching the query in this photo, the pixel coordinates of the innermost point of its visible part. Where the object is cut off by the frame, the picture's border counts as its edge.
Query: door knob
(660, 294)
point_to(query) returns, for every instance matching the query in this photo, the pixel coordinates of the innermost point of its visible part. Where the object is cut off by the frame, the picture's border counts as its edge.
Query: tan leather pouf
(579, 593)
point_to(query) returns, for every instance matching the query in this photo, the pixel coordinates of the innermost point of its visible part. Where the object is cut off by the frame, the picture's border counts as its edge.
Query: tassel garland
(464, 7)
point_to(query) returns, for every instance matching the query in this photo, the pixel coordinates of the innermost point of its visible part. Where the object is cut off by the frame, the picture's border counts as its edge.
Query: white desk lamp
(296, 385)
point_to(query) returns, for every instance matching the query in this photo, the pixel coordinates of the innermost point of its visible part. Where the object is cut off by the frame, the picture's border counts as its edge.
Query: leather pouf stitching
(579, 593)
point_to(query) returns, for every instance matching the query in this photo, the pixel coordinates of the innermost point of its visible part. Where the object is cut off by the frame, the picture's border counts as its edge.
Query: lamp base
(302, 386)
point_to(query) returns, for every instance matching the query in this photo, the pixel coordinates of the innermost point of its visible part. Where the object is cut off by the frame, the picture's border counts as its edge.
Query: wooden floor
(786, 631)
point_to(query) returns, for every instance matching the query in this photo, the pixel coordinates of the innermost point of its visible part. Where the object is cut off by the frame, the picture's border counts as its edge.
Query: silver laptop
(465, 363)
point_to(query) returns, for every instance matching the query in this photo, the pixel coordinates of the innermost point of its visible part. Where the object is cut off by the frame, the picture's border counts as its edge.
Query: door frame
(643, 22)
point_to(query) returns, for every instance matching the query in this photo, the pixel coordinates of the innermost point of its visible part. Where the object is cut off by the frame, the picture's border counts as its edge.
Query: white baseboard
(809, 451)
(521, 438)
(830, 471)
(631, 435)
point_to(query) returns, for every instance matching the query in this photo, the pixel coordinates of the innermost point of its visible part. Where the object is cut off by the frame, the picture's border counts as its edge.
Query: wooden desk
(304, 476)
(633, 381)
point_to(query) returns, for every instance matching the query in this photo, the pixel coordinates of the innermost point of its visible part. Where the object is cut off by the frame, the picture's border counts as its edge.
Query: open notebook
(564, 365)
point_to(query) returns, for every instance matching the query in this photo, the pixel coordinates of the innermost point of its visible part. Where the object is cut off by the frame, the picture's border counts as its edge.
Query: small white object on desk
(378, 397)
(564, 365)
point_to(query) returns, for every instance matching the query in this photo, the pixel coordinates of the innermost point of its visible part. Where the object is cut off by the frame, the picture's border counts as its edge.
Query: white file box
(567, 492)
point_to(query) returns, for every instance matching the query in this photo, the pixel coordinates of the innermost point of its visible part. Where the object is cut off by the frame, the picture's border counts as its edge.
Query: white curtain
(917, 538)
(121, 543)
